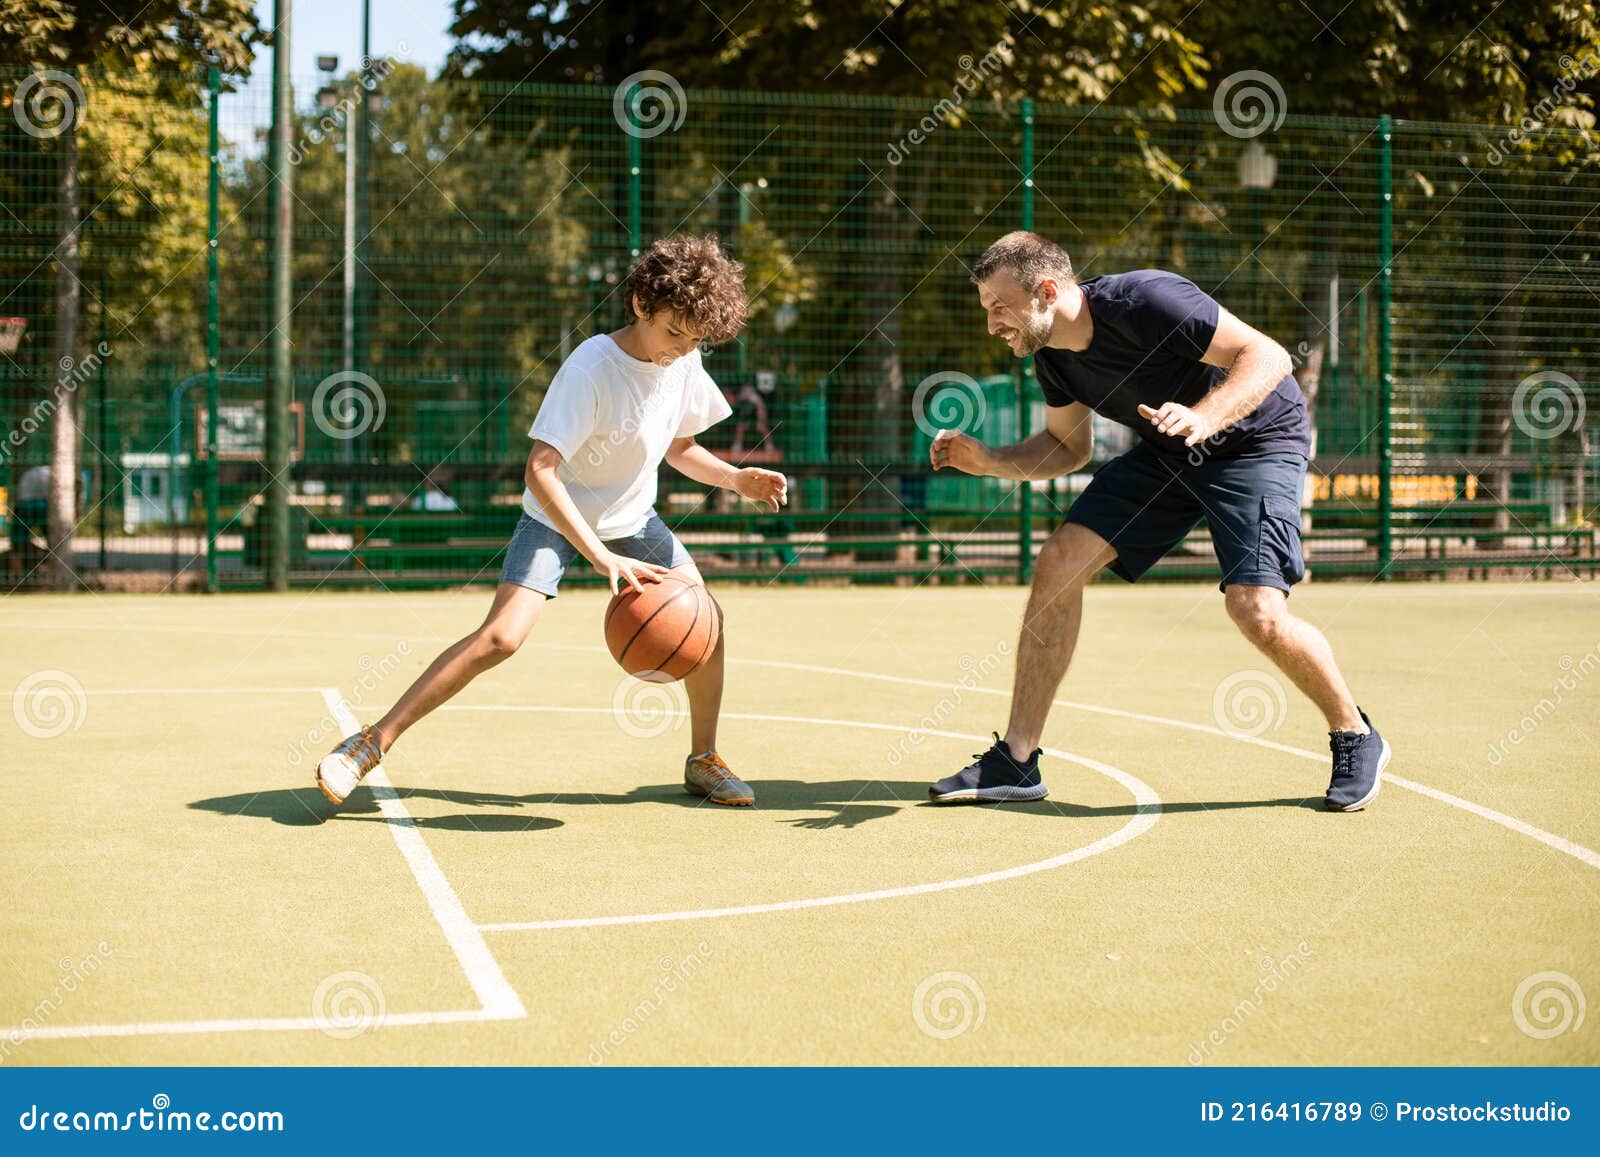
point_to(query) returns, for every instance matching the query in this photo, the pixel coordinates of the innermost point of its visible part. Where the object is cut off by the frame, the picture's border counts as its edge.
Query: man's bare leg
(1070, 557)
(511, 617)
(1299, 650)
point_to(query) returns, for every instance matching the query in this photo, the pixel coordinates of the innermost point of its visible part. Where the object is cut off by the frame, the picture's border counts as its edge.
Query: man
(1223, 435)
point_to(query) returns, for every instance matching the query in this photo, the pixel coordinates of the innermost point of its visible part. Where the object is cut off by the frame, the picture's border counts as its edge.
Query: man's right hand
(619, 570)
(960, 452)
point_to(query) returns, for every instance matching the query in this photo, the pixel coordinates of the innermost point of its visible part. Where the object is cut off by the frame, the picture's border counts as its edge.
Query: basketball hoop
(11, 330)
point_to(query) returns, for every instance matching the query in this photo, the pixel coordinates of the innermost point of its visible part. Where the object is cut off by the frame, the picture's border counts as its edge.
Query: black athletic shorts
(1145, 503)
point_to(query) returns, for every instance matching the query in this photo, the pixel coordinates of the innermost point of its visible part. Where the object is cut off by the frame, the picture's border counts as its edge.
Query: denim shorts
(1145, 503)
(538, 555)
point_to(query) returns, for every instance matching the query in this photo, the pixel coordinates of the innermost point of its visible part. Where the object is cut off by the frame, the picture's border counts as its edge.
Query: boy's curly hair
(694, 278)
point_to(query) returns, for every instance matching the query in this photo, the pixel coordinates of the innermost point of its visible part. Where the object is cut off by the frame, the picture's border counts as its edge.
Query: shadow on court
(1168, 807)
(306, 807)
(847, 803)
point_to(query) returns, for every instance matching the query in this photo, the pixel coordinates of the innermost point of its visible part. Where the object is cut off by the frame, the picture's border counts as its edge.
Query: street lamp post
(1258, 170)
(328, 99)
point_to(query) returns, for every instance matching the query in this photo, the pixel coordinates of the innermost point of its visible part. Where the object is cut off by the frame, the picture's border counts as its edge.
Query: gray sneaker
(707, 775)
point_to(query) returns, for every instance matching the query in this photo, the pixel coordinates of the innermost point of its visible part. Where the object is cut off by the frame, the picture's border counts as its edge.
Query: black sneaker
(1358, 763)
(997, 777)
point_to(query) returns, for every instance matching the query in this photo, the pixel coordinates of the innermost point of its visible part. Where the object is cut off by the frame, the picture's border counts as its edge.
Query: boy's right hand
(618, 570)
(958, 451)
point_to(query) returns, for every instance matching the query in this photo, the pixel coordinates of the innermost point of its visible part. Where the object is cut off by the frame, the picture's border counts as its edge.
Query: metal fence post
(1025, 366)
(213, 335)
(1385, 350)
(280, 379)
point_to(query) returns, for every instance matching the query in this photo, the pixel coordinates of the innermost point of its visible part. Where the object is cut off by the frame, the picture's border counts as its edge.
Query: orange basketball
(665, 633)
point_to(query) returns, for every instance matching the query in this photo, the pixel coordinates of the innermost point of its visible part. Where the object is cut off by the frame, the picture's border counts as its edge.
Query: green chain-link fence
(1434, 283)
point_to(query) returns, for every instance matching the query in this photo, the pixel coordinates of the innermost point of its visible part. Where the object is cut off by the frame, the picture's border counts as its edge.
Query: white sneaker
(343, 768)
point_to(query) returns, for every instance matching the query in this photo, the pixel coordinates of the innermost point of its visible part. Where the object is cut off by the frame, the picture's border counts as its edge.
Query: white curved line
(1143, 819)
(1512, 823)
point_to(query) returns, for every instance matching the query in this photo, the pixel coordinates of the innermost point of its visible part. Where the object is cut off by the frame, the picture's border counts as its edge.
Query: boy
(622, 404)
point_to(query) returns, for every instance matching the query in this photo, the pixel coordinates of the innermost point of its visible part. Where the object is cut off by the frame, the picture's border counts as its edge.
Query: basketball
(665, 633)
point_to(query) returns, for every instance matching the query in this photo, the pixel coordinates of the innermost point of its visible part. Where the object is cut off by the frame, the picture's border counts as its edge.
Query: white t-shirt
(613, 417)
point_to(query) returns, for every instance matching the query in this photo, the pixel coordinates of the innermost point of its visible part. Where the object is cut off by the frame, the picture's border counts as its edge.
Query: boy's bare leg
(704, 689)
(705, 773)
(511, 617)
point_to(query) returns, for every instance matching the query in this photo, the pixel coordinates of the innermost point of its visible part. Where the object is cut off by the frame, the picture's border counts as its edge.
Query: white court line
(43, 694)
(259, 1024)
(1143, 819)
(499, 999)
(494, 992)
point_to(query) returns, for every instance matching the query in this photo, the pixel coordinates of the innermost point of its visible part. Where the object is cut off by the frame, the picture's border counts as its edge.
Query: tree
(1531, 65)
(59, 39)
(1415, 60)
(1075, 50)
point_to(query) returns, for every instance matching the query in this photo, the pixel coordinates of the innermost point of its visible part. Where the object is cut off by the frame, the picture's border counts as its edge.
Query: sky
(413, 30)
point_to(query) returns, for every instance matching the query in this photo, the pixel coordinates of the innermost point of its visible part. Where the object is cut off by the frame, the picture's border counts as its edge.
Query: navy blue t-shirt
(1151, 328)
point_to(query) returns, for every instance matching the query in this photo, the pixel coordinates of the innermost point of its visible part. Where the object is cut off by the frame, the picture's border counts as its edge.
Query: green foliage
(165, 34)
(1071, 50)
(1417, 59)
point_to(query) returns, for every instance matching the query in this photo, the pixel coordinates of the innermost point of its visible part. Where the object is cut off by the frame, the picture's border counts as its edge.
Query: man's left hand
(1180, 422)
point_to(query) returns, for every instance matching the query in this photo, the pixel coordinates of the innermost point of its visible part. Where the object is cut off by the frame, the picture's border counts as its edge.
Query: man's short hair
(692, 277)
(1030, 257)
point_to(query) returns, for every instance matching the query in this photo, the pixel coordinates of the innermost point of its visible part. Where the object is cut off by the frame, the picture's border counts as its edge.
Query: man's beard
(1032, 337)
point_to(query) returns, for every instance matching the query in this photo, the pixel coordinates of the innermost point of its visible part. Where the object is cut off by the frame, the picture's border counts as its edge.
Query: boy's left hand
(765, 487)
